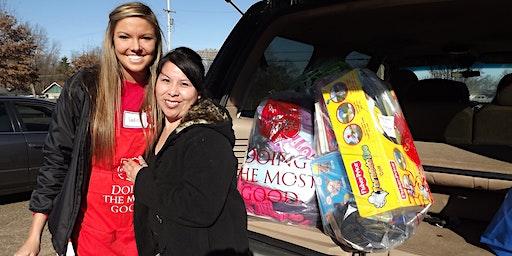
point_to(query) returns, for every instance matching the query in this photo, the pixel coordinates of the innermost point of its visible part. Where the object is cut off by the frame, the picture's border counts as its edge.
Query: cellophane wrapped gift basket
(371, 188)
(275, 180)
(340, 150)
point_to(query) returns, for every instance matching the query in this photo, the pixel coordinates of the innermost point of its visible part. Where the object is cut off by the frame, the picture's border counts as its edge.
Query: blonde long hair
(108, 94)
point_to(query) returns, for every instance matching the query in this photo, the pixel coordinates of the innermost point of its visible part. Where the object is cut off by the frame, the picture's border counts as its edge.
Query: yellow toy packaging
(376, 146)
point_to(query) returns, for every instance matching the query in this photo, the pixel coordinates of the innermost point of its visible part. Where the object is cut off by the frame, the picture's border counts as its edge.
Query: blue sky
(79, 25)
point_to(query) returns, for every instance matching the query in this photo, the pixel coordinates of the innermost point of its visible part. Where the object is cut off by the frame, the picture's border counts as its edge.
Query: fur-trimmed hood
(208, 113)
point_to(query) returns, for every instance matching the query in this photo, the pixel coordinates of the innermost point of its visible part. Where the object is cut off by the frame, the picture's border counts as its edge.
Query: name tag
(133, 120)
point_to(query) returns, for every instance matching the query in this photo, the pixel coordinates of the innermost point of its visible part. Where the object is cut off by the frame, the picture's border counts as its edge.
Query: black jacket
(186, 201)
(60, 181)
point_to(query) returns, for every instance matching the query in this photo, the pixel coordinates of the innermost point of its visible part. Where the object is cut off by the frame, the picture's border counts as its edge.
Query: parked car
(465, 149)
(480, 98)
(23, 128)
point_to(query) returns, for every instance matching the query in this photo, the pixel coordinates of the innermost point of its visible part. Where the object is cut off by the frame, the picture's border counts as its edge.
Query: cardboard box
(378, 151)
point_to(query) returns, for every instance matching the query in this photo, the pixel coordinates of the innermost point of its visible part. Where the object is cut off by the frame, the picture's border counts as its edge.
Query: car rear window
(283, 61)
(481, 79)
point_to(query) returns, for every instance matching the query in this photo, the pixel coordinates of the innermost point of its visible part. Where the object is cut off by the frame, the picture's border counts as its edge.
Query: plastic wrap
(371, 187)
(275, 180)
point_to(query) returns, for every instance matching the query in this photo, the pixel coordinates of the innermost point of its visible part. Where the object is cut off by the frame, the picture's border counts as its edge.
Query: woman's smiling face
(135, 43)
(175, 94)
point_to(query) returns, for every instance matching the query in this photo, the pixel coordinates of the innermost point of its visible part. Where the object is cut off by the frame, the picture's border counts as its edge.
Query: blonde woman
(101, 120)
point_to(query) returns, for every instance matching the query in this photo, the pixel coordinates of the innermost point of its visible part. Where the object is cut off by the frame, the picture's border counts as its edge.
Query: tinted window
(5, 121)
(35, 118)
(282, 62)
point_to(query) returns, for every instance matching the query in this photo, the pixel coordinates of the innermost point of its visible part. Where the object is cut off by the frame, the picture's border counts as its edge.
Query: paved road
(14, 224)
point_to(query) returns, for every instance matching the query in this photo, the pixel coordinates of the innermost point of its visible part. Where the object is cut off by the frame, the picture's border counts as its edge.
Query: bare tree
(17, 51)
(46, 60)
(442, 72)
(85, 59)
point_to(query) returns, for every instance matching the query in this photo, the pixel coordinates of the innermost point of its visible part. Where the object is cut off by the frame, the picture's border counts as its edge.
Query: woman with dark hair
(100, 120)
(186, 201)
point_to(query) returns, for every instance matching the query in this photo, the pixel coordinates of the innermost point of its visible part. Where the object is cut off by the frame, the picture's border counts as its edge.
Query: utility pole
(170, 23)
(234, 5)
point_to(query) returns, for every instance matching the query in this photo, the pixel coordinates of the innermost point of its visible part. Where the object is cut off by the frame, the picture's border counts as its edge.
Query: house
(52, 91)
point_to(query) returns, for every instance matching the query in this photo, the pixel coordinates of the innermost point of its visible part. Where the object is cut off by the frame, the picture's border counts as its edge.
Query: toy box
(332, 185)
(378, 152)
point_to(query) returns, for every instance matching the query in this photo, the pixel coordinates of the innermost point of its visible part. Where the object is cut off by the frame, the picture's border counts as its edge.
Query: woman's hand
(31, 247)
(132, 167)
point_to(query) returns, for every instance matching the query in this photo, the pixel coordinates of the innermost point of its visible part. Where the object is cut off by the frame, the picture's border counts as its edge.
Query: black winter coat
(60, 181)
(186, 201)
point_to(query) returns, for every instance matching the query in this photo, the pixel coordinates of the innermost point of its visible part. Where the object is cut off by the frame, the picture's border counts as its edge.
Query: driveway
(15, 219)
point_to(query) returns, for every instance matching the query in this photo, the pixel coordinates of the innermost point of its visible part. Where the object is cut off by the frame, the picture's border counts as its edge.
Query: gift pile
(343, 152)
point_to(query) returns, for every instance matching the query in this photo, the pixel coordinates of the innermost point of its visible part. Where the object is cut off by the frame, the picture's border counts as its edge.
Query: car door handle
(37, 146)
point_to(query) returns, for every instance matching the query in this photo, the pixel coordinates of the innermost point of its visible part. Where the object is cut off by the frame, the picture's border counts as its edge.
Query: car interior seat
(402, 81)
(432, 106)
(441, 90)
(493, 122)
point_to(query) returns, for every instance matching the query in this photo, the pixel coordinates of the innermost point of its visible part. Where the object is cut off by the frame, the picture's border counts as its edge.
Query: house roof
(52, 85)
